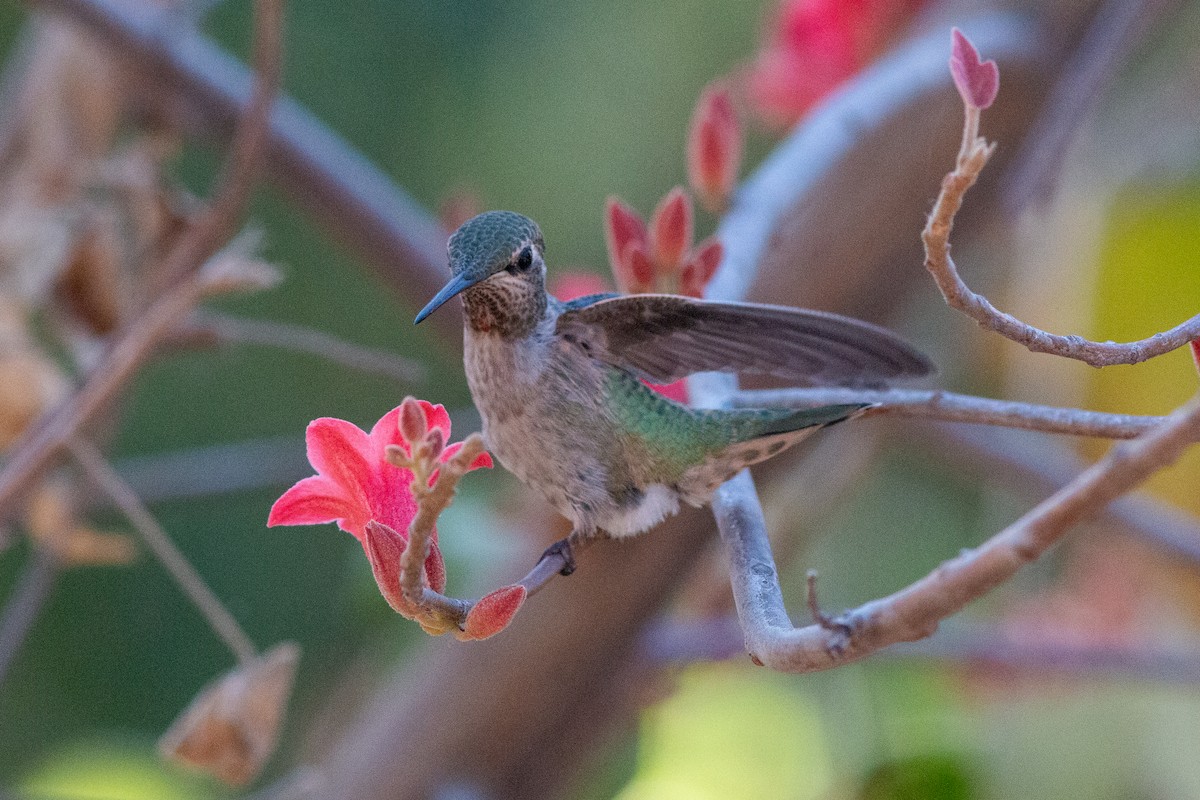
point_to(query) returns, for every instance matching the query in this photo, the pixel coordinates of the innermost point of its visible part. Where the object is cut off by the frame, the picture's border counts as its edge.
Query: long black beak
(456, 285)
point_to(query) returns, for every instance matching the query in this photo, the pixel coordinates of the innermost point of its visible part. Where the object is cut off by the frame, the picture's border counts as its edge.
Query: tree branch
(226, 329)
(951, 407)
(1037, 467)
(914, 612)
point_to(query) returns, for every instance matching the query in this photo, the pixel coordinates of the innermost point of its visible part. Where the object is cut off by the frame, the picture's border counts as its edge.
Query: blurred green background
(547, 107)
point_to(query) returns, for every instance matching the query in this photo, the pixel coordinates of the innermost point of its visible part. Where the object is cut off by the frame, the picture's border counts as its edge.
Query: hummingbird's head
(497, 250)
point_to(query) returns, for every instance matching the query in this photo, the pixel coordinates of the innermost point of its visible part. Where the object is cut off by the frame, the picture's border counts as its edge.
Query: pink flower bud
(623, 227)
(385, 546)
(493, 612)
(433, 444)
(412, 421)
(714, 150)
(671, 230)
(1196, 352)
(977, 82)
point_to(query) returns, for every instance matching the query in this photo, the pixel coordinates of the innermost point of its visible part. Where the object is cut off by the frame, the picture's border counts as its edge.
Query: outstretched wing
(664, 337)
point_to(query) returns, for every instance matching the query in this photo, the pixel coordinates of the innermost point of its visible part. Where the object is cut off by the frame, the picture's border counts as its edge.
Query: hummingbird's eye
(525, 259)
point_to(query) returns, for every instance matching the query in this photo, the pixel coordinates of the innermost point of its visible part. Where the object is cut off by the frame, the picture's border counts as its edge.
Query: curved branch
(936, 238)
(915, 612)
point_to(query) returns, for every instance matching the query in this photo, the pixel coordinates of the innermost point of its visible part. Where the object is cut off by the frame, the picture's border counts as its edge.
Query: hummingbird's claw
(562, 549)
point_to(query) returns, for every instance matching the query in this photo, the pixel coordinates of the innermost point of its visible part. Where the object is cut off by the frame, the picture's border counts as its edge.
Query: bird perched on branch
(559, 384)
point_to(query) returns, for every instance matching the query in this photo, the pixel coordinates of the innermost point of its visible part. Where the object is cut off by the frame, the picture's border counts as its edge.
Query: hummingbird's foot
(562, 549)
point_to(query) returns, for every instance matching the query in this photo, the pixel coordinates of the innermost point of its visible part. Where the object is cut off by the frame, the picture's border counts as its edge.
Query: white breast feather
(657, 503)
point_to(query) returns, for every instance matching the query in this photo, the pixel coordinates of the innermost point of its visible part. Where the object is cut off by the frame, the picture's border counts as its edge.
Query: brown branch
(951, 407)
(510, 706)
(914, 612)
(222, 622)
(972, 157)
(44, 441)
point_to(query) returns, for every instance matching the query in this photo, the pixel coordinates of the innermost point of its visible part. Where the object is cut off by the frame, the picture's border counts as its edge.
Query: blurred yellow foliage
(1150, 281)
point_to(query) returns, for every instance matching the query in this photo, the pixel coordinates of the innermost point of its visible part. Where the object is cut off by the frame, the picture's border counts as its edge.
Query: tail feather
(773, 433)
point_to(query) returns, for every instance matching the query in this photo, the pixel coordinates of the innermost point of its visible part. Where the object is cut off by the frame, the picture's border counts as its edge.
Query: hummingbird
(559, 385)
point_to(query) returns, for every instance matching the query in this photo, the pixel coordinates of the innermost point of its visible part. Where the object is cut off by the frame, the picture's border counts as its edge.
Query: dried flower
(232, 727)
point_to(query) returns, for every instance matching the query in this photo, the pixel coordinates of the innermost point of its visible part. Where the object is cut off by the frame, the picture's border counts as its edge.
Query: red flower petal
(385, 432)
(493, 612)
(384, 547)
(1196, 352)
(340, 451)
(622, 228)
(671, 230)
(482, 461)
(714, 150)
(639, 272)
(311, 501)
(701, 266)
(435, 567)
(977, 82)
(436, 416)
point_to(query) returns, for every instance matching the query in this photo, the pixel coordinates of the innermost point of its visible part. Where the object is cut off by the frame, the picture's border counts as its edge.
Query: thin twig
(951, 407)
(301, 339)
(431, 501)
(972, 157)
(207, 603)
(44, 441)
(25, 603)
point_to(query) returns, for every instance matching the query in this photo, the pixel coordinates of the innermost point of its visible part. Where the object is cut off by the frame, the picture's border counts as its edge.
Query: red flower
(816, 45)
(355, 485)
(659, 257)
(714, 150)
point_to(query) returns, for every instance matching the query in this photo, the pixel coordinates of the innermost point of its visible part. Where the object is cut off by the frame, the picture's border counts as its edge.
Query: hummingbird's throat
(509, 308)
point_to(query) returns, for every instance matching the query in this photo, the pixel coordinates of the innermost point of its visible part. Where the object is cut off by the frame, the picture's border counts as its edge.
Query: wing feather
(667, 337)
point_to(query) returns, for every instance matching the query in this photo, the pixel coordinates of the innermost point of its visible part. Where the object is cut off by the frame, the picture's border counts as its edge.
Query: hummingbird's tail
(757, 435)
